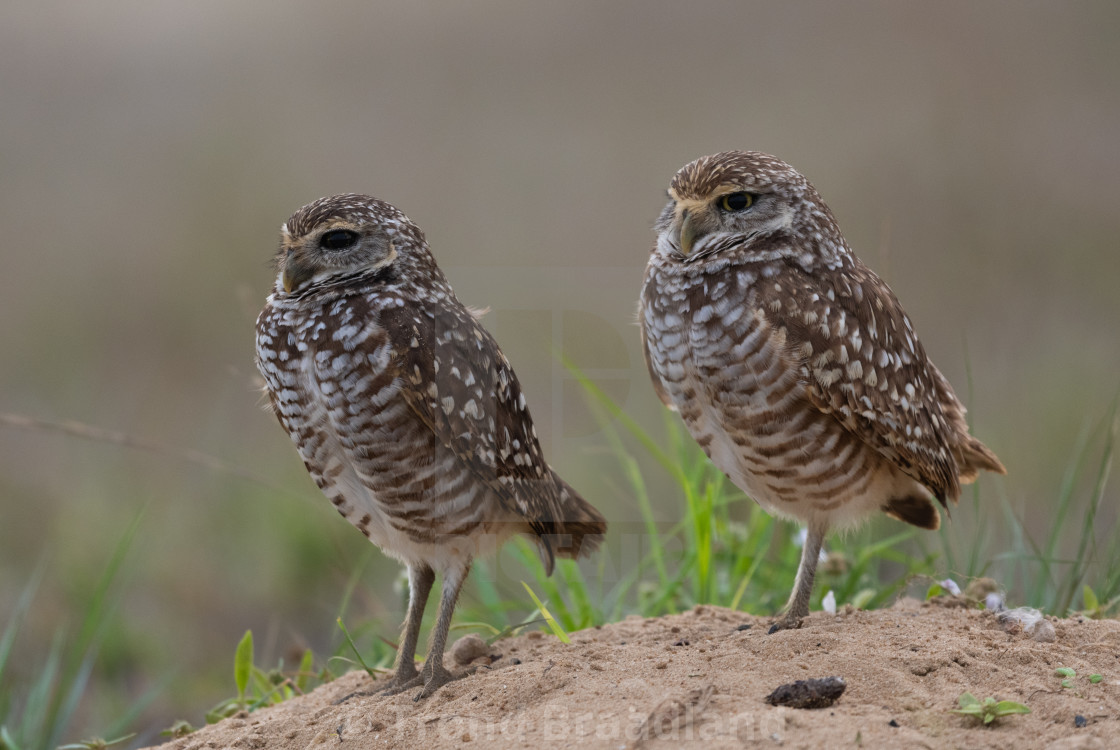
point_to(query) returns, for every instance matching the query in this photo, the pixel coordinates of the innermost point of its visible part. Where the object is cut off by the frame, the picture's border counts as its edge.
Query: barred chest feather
(329, 369)
(719, 361)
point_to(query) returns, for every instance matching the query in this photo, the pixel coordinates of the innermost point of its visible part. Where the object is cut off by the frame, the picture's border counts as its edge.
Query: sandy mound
(698, 680)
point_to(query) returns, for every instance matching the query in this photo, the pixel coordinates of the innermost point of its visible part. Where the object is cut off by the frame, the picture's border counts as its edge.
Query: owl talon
(786, 623)
(402, 682)
(355, 694)
(438, 679)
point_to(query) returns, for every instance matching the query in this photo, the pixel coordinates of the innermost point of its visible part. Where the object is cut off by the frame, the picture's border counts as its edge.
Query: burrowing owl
(404, 410)
(793, 365)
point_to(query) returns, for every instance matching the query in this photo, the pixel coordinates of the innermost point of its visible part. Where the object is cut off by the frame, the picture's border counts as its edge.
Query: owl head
(744, 202)
(343, 238)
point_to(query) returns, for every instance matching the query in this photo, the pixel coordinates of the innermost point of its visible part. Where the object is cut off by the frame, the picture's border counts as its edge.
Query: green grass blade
(39, 707)
(352, 582)
(631, 470)
(583, 611)
(552, 624)
(478, 625)
(1088, 542)
(628, 422)
(527, 554)
(96, 611)
(657, 551)
(243, 664)
(7, 741)
(306, 670)
(483, 577)
(354, 648)
(1065, 499)
(19, 614)
(1089, 599)
(72, 695)
(78, 660)
(755, 563)
(138, 706)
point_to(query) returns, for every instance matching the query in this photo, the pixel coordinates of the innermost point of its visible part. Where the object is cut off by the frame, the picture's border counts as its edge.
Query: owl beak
(688, 234)
(295, 275)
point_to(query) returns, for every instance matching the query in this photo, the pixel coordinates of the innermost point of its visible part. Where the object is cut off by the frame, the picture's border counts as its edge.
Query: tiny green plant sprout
(181, 728)
(1068, 673)
(1095, 609)
(989, 710)
(255, 686)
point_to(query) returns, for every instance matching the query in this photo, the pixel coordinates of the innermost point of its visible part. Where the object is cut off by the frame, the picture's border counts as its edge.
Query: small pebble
(468, 648)
(744, 626)
(893, 723)
(1080, 721)
(816, 693)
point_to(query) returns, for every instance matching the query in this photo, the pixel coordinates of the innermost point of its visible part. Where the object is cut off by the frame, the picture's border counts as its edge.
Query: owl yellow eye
(338, 239)
(736, 201)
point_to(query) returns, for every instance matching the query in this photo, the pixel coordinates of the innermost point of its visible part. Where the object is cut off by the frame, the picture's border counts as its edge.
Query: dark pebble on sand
(817, 693)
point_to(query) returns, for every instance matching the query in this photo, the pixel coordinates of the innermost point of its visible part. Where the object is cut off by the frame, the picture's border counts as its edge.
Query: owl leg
(798, 605)
(420, 579)
(435, 675)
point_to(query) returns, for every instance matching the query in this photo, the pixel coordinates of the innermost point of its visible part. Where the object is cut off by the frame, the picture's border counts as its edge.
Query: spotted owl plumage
(404, 410)
(791, 363)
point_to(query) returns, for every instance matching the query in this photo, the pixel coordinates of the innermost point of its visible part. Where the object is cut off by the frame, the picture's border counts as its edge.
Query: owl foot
(355, 694)
(788, 622)
(437, 679)
(402, 680)
(364, 693)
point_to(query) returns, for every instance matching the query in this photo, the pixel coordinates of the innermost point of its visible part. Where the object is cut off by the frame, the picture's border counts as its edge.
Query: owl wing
(862, 363)
(458, 383)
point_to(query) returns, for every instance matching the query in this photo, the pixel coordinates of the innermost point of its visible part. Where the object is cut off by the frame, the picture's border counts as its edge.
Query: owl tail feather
(576, 532)
(976, 456)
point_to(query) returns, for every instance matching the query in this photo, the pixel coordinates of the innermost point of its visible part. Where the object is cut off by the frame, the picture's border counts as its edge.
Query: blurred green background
(149, 152)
